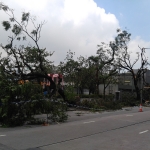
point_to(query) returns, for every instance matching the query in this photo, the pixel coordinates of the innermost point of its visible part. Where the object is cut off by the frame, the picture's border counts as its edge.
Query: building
(125, 83)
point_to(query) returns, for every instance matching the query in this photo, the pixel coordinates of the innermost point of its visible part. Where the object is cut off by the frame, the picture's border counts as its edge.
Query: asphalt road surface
(125, 129)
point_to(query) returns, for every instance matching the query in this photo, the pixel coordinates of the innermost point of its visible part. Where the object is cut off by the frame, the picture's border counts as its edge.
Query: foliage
(70, 93)
(76, 72)
(56, 111)
(15, 108)
(100, 104)
(124, 60)
(108, 75)
(105, 64)
(19, 103)
(23, 62)
(111, 105)
(146, 94)
(68, 68)
(128, 98)
(91, 96)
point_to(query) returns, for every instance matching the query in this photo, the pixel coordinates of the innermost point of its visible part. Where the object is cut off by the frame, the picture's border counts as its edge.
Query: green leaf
(34, 32)
(18, 38)
(6, 25)
(8, 46)
(25, 16)
(24, 38)
(12, 19)
(16, 29)
(3, 7)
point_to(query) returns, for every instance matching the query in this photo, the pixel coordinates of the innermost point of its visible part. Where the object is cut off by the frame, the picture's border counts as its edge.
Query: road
(125, 129)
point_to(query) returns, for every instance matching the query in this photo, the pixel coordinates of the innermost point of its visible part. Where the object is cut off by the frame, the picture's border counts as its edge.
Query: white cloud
(30, 4)
(78, 25)
(78, 11)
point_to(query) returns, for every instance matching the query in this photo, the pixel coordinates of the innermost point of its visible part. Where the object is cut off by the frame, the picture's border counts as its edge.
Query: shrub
(19, 103)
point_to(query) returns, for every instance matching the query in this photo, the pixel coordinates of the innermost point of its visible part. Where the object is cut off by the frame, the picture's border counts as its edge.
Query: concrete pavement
(83, 130)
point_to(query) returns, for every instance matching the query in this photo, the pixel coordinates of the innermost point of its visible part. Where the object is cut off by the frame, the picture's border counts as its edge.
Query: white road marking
(2, 135)
(143, 132)
(129, 115)
(89, 122)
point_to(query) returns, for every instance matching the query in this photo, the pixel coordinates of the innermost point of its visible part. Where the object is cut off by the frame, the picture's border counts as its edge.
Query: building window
(126, 82)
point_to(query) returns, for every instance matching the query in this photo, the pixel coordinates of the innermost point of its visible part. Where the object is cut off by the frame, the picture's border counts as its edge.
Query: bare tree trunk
(137, 90)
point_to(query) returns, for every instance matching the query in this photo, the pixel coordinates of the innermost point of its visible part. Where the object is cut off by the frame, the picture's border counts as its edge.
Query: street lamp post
(141, 76)
(142, 72)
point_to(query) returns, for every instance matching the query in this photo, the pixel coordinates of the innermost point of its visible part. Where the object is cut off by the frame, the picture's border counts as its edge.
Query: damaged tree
(124, 61)
(26, 62)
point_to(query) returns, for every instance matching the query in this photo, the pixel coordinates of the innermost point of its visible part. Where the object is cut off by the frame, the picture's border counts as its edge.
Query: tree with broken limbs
(125, 62)
(26, 62)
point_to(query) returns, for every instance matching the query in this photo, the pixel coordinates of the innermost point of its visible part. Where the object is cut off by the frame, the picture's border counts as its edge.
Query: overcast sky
(80, 25)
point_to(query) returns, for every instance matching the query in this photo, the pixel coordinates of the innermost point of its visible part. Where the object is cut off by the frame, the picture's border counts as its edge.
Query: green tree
(77, 73)
(86, 75)
(105, 57)
(108, 75)
(68, 69)
(23, 62)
